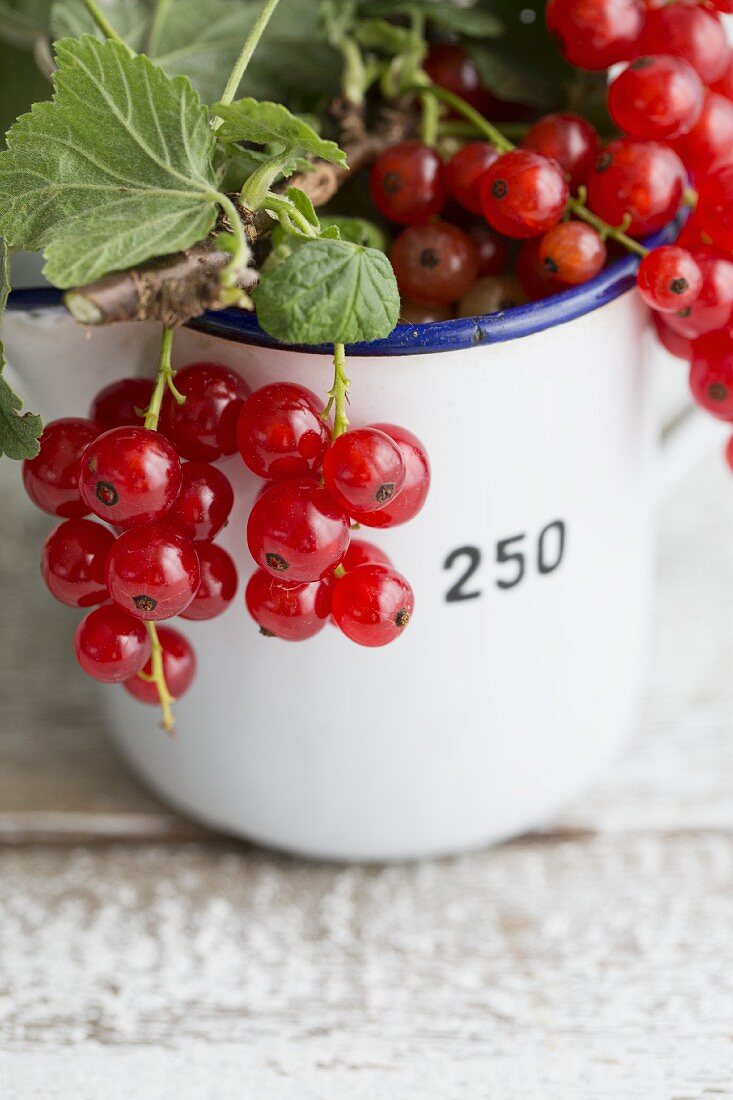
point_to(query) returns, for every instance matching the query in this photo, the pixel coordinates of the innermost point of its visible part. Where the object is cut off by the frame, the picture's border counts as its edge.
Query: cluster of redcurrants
(156, 558)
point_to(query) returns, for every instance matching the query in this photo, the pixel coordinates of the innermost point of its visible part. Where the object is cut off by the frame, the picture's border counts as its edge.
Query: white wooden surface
(594, 962)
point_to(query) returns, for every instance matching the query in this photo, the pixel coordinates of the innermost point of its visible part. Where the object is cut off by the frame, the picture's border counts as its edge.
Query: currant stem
(105, 26)
(338, 394)
(430, 119)
(158, 678)
(578, 207)
(241, 251)
(163, 381)
(481, 124)
(245, 56)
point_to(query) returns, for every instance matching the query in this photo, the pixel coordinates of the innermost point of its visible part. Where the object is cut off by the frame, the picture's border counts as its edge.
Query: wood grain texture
(592, 963)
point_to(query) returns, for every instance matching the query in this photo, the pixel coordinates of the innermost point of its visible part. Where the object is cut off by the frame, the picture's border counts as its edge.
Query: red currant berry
(434, 263)
(492, 250)
(669, 279)
(122, 403)
(297, 532)
(363, 469)
(724, 86)
(595, 34)
(407, 183)
(179, 668)
(713, 307)
(536, 280)
(372, 605)
(572, 252)
(715, 207)
(656, 97)
(130, 476)
(729, 453)
(203, 505)
(218, 583)
(204, 427)
(568, 139)
(281, 432)
(111, 645)
(450, 67)
(423, 313)
(291, 612)
(678, 346)
(689, 31)
(51, 479)
(711, 373)
(361, 552)
(411, 497)
(523, 194)
(464, 170)
(153, 572)
(709, 144)
(74, 561)
(639, 179)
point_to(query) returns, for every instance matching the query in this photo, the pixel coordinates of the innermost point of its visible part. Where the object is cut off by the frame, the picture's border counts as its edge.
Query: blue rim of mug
(453, 335)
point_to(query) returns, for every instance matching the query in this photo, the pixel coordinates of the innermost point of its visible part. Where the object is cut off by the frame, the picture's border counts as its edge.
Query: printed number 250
(511, 555)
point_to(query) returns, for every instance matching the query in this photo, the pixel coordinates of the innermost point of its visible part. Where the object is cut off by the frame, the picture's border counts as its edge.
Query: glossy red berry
(713, 307)
(669, 278)
(656, 97)
(642, 179)
(372, 605)
(568, 139)
(74, 562)
(122, 403)
(595, 34)
(204, 427)
(729, 453)
(218, 584)
(281, 432)
(111, 645)
(407, 183)
(434, 263)
(689, 31)
(297, 532)
(523, 194)
(130, 476)
(535, 279)
(361, 552)
(464, 170)
(179, 668)
(715, 207)
(709, 143)
(153, 572)
(408, 502)
(202, 507)
(51, 479)
(724, 86)
(291, 612)
(572, 252)
(363, 469)
(492, 249)
(450, 67)
(711, 373)
(677, 345)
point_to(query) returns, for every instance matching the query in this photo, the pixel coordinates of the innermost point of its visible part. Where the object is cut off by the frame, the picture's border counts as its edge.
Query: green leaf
(378, 34)
(266, 123)
(356, 230)
(329, 292)
(18, 434)
(303, 205)
(22, 21)
(115, 170)
(474, 22)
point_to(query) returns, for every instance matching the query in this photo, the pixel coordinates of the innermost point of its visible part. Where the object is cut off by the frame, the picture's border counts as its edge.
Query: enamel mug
(520, 675)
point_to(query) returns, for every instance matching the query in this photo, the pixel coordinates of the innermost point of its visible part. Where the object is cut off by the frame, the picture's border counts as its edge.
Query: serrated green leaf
(329, 292)
(266, 123)
(126, 178)
(356, 230)
(303, 205)
(18, 434)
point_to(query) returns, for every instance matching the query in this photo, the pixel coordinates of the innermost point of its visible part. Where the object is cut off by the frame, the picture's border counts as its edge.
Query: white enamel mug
(521, 673)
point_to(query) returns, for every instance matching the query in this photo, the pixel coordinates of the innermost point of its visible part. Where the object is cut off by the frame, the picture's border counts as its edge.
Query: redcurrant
(536, 280)
(153, 572)
(218, 584)
(372, 604)
(361, 552)
(411, 497)
(74, 562)
(669, 279)
(523, 194)
(724, 86)
(450, 67)
(423, 313)
(715, 207)
(713, 307)
(572, 252)
(595, 34)
(363, 470)
(291, 612)
(689, 31)
(51, 479)
(710, 142)
(678, 346)
(297, 532)
(281, 432)
(121, 403)
(408, 183)
(179, 669)
(434, 263)
(130, 476)
(204, 427)
(491, 294)
(711, 373)
(568, 139)
(203, 505)
(656, 97)
(111, 645)
(492, 250)
(464, 170)
(638, 184)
